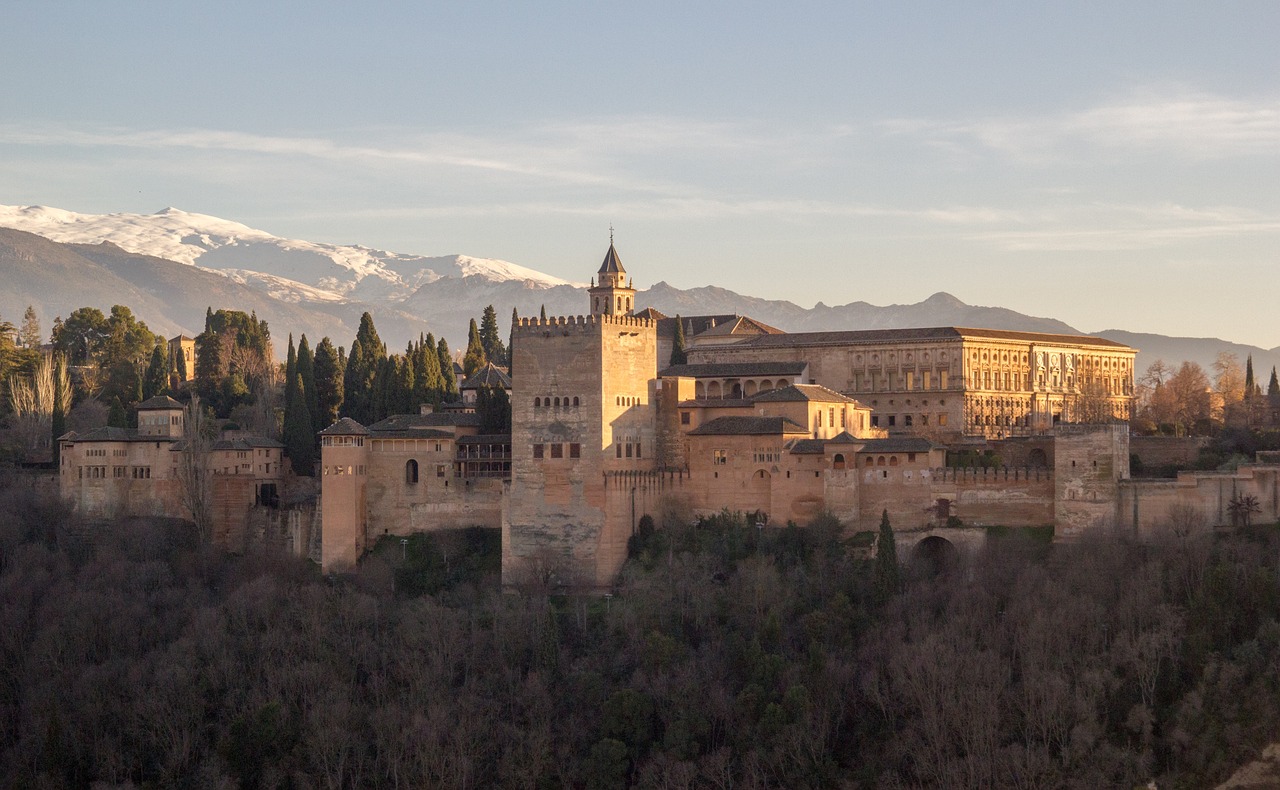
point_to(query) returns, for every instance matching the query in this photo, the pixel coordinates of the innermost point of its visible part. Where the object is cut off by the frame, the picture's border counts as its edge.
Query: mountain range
(169, 266)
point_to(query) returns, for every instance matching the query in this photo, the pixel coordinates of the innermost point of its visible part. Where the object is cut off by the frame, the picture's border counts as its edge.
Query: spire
(612, 263)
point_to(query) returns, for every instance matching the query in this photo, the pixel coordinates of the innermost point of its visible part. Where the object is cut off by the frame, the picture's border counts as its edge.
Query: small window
(575, 401)
(684, 418)
(617, 450)
(411, 471)
(719, 457)
(893, 419)
(537, 403)
(575, 449)
(537, 450)
(628, 449)
(557, 450)
(637, 449)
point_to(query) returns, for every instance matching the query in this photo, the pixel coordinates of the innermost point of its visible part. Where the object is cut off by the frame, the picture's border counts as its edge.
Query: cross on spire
(610, 234)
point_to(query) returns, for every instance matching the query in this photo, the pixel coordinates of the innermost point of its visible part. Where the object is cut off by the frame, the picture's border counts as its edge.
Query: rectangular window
(537, 451)
(628, 449)
(118, 471)
(684, 418)
(875, 421)
(575, 450)
(557, 450)
(911, 379)
(617, 450)
(844, 417)
(831, 417)
(942, 419)
(926, 379)
(893, 420)
(637, 449)
(942, 380)
(719, 457)
(924, 420)
(439, 470)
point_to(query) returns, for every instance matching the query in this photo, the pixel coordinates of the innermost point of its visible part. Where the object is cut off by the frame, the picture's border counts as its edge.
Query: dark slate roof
(716, 403)
(802, 392)
(108, 433)
(612, 263)
(748, 426)
(844, 437)
(735, 369)
(486, 438)
(806, 447)
(416, 433)
(262, 441)
(418, 422)
(903, 444)
(488, 376)
(739, 326)
(345, 427)
(158, 403)
(693, 324)
(651, 314)
(870, 336)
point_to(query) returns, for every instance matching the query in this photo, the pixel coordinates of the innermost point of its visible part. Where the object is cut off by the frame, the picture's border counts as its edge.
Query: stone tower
(582, 418)
(612, 294)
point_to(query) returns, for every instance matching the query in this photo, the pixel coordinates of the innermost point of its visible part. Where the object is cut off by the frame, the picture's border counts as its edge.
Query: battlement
(992, 475)
(567, 323)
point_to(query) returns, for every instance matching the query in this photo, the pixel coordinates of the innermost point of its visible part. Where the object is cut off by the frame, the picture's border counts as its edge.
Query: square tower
(582, 417)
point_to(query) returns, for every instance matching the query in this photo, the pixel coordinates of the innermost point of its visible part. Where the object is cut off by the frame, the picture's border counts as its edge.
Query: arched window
(411, 471)
(838, 461)
(575, 401)
(557, 403)
(619, 304)
(880, 461)
(893, 460)
(537, 403)
(869, 461)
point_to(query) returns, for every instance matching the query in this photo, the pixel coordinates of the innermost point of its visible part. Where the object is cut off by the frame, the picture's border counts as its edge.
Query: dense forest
(726, 656)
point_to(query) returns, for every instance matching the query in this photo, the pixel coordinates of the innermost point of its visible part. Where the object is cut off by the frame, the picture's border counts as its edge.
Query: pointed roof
(345, 427)
(802, 392)
(159, 402)
(488, 376)
(612, 263)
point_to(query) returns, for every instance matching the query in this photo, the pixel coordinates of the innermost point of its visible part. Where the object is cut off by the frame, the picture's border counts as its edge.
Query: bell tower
(612, 294)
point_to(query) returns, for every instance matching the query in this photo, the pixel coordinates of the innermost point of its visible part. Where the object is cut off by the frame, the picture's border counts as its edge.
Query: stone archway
(934, 556)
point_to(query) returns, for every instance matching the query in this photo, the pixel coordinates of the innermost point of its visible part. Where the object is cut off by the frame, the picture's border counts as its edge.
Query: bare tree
(194, 470)
(33, 401)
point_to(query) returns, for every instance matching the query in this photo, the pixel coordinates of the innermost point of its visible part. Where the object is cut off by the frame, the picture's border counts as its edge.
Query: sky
(1112, 165)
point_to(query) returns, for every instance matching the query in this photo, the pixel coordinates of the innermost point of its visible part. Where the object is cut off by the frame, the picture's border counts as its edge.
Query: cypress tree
(888, 575)
(290, 376)
(1273, 387)
(678, 355)
(307, 372)
(208, 318)
(59, 417)
(1250, 387)
(490, 339)
(157, 378)
(449, 390)
(117, 417)
(511, 341)
(494, 408)
(328, 375)
(475, 358)
(363, 364)
(299, 438)
(542, 313)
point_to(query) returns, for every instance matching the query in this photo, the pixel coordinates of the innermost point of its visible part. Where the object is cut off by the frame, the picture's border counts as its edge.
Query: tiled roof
(157, 403)
(748, 426)
(693, 324)
(802, 392)
(488, 376)
(651, 314)
(108, 433)
(612, 263)
(735, 369)
(486, 438)
(806, 447)
(415, 433)
(844, 437)
(904, 444)
(345, 427)
(739, 326)
(873, 336)
(413, 422)
(716, 403)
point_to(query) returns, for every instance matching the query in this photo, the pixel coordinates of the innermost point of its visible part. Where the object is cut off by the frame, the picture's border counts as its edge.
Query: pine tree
(299, 437)
(475, 358)
(328, 375)
(678, 355)
(1250, 387)
(157, 378)
(494, 408)
(307, 371)
(490, 339)
(449, 391)
(367, 355)
(29, 334)
(888, 575)
(117, 417)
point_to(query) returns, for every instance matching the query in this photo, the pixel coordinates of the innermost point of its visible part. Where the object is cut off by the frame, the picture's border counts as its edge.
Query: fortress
(784, 426)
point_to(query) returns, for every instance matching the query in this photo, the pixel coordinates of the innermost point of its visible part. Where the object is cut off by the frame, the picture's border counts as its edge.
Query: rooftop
(749, 426)
(735, 369)
(612, 263)
(874, 336)
(345, 427)
(802, 392)
(159, 402)
(488, 376)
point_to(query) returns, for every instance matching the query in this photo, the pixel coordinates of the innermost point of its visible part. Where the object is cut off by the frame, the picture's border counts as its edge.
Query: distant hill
(171, 265)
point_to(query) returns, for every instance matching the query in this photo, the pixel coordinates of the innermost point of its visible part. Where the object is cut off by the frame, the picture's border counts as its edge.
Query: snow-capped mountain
(291, 269)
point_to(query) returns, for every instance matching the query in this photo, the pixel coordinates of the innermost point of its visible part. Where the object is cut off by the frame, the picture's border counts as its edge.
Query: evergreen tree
(888, 574)
(157, 378)
(60, 399)
(117, 417)
(494, 409)
(367, 355)
(29, 333)
(1273, 387)
(475, 358)
(511, 341)
(307, 372)
(678, 355)
(449, 392)
(208, 318)
(328, 376)
(299, 438)
(490, 339)
(1250, 387)
(57, 329)
(290, 376)
(542, 313)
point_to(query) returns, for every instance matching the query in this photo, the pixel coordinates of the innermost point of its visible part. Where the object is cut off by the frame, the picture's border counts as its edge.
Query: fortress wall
(1089, 462)
(1198, 499)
